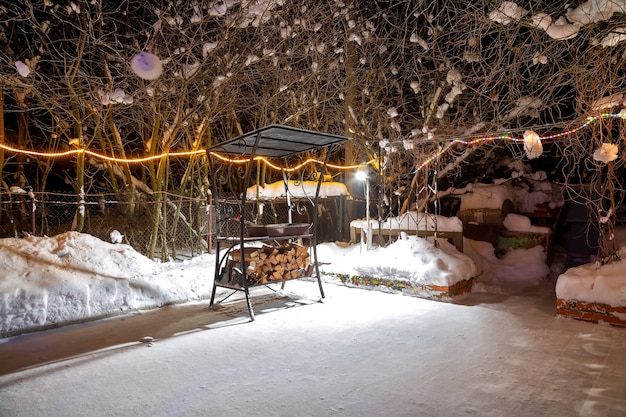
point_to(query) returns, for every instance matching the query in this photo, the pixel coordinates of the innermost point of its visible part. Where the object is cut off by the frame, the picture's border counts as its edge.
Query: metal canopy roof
(277, 141)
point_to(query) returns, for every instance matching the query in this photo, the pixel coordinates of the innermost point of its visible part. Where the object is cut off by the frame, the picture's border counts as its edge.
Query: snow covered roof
(297, 189)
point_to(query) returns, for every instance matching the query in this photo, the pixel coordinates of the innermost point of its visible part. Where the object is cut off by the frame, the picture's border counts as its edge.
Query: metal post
(368, 244)
(289, 208)
(33, 207)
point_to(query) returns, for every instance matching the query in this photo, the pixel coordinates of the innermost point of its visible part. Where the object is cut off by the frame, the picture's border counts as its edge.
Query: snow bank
(595, 283)
(71, 277)
(74, 276)
(410, 258)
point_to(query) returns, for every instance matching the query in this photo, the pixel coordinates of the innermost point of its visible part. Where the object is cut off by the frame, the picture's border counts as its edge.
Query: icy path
(360, 353)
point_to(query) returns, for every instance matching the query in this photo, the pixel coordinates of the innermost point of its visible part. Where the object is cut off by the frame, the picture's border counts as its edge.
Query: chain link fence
(175, 226)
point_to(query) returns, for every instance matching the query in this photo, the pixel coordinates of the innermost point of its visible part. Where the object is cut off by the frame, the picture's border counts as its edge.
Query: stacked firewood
(273, 263)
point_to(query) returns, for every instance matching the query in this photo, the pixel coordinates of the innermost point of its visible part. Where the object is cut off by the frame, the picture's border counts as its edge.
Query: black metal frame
(273, 141)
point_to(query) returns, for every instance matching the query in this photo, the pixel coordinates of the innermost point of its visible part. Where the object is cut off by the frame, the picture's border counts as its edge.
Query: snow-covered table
(410, 223)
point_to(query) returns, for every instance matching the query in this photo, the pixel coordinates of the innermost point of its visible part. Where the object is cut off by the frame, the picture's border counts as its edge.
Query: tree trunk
(2, 136)
(350, 149)
(157, 187)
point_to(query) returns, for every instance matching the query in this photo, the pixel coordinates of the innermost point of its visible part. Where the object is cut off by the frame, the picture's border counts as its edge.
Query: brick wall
(593, 312)
(436, 292)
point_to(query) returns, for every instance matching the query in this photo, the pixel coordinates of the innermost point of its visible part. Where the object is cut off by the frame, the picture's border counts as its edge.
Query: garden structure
(283, 253)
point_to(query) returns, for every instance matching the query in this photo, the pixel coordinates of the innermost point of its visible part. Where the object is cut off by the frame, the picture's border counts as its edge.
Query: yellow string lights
(451, 143)
(98, 155)
(292, 169)
(173, 155)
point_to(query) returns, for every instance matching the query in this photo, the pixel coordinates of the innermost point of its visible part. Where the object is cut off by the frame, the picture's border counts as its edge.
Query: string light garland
(470, 141)
(71, 152)
(508, 138)
(199, 152)
(291, 169)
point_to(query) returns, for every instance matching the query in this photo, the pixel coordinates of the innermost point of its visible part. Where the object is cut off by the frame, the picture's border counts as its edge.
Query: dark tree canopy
(400, 77)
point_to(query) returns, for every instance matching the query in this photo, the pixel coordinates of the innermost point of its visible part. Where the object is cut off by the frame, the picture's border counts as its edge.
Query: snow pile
(409, 258)
(595, 283)
(297, 189)
(518, 223)
(74, 276)
(519, 268)
(485, 196)
(116, 236)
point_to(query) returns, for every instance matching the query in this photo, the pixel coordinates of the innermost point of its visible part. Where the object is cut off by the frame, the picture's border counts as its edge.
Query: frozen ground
(359, 353)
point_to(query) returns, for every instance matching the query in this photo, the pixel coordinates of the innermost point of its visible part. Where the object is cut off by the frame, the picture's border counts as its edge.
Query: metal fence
(281, 211)
(179, 229)
(177, 226)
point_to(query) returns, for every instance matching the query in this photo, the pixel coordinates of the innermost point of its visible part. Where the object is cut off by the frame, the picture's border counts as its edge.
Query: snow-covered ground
(499, 350)
(71, 277)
